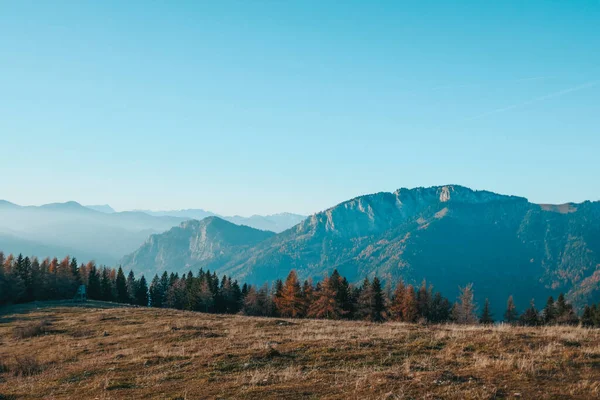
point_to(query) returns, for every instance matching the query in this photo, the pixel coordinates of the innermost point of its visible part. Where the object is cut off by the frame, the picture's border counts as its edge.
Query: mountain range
(274, 222)
(97, 232)
(449, 235)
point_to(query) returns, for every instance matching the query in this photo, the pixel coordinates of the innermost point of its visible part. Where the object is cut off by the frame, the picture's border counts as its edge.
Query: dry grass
(147, 353)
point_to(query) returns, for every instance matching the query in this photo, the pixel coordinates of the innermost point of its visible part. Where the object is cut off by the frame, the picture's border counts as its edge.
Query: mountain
(449, 235)
(208, 243)
(53, 229)
(274, 223)
(105, 208)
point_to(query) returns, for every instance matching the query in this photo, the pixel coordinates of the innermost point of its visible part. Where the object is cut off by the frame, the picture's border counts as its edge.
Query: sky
(244, 107)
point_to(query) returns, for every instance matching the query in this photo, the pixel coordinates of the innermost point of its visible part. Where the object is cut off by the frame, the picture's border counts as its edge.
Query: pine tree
(121, 286)
(378, 312)
(440, 308)
(587, 319)
(486, 315)
(365, 299)
(141, 294)
(423, 301)
(131, 287)
(74, 267)
(155, 292)
(511, 315)
(94, 287)
(106, 286)
(549, 312)
(531, 316)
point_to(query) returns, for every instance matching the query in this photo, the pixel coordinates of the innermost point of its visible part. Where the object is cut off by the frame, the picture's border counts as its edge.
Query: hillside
(449, 235)
(208, 243)
(136, 353)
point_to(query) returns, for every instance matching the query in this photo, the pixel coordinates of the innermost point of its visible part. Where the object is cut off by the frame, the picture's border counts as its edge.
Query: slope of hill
(205, 356)
(208, 243)
(105, 208)
(449, 235)
(80, 230)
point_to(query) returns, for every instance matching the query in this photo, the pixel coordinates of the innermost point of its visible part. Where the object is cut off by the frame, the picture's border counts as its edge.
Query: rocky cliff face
(209, 242)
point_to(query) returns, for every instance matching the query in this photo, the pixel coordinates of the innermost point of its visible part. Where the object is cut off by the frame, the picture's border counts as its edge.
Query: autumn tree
(397, 302)
(464, 308)
(511, 315)
(290, 303)
(409, 305)
(325, 304)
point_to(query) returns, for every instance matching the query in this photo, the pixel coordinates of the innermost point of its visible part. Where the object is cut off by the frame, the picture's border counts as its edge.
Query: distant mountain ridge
(450, 235)
(98, 232)
(274, 222)
(82, 231)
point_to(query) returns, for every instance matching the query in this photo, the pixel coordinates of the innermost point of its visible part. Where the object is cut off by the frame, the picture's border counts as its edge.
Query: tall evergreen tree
(549, 312)
(94, 287)
(141, 294)
(121, 286)
(155, 292)
(531, 316)
(486, 315)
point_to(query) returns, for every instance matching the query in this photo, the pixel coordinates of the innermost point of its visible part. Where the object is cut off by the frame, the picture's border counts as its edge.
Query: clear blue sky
(267, 106)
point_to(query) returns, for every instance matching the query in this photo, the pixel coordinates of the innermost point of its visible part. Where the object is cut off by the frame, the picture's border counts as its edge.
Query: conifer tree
(106, 286)
(549, 312)
(486, 315)
(587, 319)
(378, 312)
(94, 287)
(511, 315)
(423, 301)
(464, 310)
(141, 294)
(121, 286)
(440, 308)
(290, 303)
(531, 316)
(409, 305)
(325, 304)
(155, 292)
(131, 287)
(397, 302)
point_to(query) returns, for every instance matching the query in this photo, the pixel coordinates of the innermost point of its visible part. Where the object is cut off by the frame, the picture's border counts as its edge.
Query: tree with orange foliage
(409, 305)
(397, 302)
(325, 304)
(290, 302)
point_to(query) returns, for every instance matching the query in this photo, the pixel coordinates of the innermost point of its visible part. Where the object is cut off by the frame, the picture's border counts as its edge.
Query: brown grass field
(60, 352)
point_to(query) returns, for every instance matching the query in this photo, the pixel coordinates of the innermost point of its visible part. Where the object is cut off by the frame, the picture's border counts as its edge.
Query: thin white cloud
(536, 100)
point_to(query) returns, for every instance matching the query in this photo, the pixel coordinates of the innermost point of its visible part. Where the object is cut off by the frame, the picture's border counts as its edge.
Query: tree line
(24, 279)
